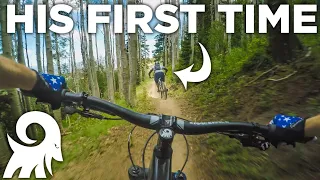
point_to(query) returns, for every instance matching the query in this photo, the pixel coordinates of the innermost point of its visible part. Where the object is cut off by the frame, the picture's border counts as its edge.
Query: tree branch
(276, 80)
(275, 67)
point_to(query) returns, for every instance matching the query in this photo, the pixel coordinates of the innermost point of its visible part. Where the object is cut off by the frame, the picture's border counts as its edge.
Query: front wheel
(160, 88)
(165, 91)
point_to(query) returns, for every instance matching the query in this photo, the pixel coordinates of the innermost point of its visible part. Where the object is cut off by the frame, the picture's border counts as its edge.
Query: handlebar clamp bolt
(166, 133)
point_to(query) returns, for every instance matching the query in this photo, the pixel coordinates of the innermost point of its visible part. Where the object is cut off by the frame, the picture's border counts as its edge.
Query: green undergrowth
(247, 85)
(235, 161)
(86, 133)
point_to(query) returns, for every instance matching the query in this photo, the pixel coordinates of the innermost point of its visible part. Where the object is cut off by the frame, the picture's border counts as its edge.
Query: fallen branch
(275, 67)
(276, 80)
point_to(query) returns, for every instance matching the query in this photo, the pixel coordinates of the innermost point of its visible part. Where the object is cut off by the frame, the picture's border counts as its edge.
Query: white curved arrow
(186, 75)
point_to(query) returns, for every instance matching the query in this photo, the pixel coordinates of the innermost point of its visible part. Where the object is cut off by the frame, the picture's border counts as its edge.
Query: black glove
(288, 129)
(45, 93)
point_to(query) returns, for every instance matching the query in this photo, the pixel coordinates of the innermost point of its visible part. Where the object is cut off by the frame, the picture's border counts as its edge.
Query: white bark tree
(108, 61)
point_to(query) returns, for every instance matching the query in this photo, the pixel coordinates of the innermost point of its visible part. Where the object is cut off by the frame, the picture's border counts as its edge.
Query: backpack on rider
(157, 66)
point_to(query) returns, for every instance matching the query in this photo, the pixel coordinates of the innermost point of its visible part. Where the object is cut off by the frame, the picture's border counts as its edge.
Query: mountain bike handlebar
(180, 126)
(249, 134)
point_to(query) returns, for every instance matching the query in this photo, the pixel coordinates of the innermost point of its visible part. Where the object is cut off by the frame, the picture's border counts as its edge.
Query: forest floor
(111, 160)
(257, 95)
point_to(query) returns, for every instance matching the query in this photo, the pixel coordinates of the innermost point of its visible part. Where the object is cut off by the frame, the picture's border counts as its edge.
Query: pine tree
(159, 47)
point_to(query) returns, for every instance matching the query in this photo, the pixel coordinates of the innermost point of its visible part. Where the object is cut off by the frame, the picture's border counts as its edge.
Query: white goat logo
(29, 158)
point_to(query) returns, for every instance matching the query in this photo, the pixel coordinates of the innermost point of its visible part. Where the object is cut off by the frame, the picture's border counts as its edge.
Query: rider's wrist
(36, 79)
(33, 79)
(312, 126)
(37, 82)
(30, 81)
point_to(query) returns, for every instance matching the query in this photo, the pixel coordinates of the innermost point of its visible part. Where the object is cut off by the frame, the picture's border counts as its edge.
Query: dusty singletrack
(111, 160)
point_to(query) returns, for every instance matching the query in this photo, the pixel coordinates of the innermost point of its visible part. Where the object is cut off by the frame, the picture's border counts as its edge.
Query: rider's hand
(291, 127)
(48, 89)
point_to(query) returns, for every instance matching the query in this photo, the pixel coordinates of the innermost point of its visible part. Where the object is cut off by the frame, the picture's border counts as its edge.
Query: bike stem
(161, 163)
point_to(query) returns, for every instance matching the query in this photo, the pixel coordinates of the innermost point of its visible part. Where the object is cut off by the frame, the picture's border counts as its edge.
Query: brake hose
(187, 144)
(143, 152)
(129, 142)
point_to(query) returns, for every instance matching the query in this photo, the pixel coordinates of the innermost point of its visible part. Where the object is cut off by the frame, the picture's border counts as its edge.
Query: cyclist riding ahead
(159, 73)
(282, 128)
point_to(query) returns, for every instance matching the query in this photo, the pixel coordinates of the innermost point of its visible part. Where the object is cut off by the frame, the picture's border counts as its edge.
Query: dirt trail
(111, 160)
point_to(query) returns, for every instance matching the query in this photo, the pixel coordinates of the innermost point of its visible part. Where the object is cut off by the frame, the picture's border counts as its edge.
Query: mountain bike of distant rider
(162, 89)
(159, 77)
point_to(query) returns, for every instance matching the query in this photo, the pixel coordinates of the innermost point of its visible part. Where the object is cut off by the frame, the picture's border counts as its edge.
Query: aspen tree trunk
(133, 60)
(133, 68)
(43, 49)
(229, 36)
(96, 42)
(192, 49)
(119, 66)
(165, 47)
(74, 65)
(318, 12)
(174, 41)
(212, 10)
(20, 54)
(108, 62)
(216, 14)
(19, 33)
(50, 67)
(15, 108)
(38, 45)
(177, 33)
(4, 147)
(14, 47)
(255, 12)
(112, 38)
(6, 48)
(125, 65)
(173, 44)
(143, 70)
(192, 42)
(20, 50)
(71, 57)
(26, 44)
(84, 52)
(118, 53)
(93, 69)
(170, 45)
(57, 53)
(48, 42)
(217, 18)
(138, 59)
